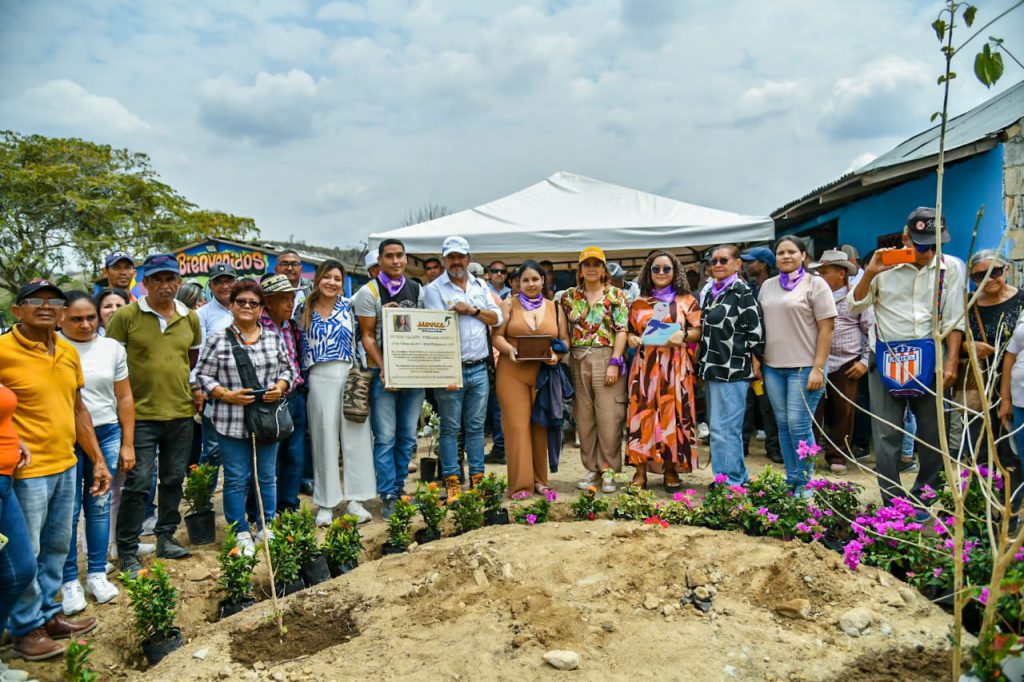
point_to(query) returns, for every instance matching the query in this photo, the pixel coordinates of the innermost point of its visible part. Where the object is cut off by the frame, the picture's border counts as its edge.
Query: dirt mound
(489, 604)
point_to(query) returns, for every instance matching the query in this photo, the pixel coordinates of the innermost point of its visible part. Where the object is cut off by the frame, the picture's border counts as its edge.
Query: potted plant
(399, 525)
(154, 601)
(492, 489)
(430, 466)
(284, 559)
(312, 562)
(588, 506)
(343, 545)
(199, 519)
(76, 661)
(469, 514)
(432, 510)
(235, 576)
(536, 511)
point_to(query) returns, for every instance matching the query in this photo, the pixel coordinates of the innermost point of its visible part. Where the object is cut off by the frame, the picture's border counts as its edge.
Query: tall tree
(62, 197)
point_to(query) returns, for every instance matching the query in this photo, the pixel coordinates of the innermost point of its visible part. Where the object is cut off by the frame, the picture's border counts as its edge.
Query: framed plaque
(534, 347)
(422, 348)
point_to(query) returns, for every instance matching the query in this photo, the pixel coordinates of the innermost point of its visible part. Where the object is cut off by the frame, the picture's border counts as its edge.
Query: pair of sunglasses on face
(997, 271)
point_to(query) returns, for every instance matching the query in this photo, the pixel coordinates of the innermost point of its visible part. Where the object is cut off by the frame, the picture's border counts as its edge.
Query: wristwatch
(476, 313)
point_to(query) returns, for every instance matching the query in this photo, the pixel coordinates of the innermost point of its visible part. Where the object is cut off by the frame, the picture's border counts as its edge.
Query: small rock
(608, 626)
(201, 654)
(259, 665)
(197, 573)
(717, 576)
(651, 602)
(481, 578)
(506, 571)
(562, 659)
(701, 594)
(521, 639)
(250, 675)
(907, 594)
(808, 579)
(885, 579)
(885, 629)
(226, 673)
(668, 609)
(696, 577)
(729, 670)
(623, 532)
(278, 676)
(856, 621)
(307, 671)
(795, 608)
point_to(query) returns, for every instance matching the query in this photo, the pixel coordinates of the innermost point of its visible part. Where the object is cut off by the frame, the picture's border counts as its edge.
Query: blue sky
(328, 120)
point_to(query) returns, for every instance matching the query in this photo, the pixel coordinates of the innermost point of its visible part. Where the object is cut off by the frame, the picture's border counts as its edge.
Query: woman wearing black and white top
(731, 335)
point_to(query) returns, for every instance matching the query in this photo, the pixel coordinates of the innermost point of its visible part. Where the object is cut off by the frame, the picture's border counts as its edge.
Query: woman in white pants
(327, 322)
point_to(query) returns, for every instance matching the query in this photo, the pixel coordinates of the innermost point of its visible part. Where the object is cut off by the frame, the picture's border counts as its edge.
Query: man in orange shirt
(44, 372)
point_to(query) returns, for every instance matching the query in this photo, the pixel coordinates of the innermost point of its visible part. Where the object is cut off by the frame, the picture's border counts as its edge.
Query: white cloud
(276, 108)
(341, 11)
(338, 194)
(63, 102)
(884, 99)
(772, 97)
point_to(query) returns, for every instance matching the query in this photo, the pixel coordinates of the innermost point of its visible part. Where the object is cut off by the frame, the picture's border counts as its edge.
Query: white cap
(476, 269)
(454, 245)
(371, 260)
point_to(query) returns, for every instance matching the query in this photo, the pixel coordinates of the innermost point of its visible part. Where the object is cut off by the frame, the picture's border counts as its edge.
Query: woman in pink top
(799, 313)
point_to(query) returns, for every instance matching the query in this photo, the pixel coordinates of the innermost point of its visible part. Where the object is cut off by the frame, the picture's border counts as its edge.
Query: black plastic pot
(498, 517)
(315, 571)
(424, 535)
(284, 589)
(340, 569)
(620, 516)
(202, 529)
(157, 650)
(225, 609)
(428, 469)
(388, 548)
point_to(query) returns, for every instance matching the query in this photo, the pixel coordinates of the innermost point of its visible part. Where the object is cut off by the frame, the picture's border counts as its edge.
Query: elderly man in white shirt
(903, 298)
(466, 407)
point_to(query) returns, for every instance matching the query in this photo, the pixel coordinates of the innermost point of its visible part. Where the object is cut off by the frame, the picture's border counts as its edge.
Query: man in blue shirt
(466, 407)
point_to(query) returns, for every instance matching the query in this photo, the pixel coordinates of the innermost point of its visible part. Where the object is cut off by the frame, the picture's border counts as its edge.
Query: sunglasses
(247, 303)
(289, 263)
(977, 277)
(662, 269)
(923, 248)
(39, 302)
(498, 271)
(719, 261)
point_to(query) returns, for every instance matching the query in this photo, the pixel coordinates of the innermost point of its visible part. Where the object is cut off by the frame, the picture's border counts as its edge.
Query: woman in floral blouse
(595, 315)
(661, 421)
(328, 327)
(731, 335)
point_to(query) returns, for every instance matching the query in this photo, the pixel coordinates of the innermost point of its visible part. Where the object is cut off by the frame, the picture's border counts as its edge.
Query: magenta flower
(531, 519)
(679, 497)
(804, 450)
(937, 572)
(551, 495)
(521, 495)
(721, 478)
(852, 554)
(983, 597)
(927, 493)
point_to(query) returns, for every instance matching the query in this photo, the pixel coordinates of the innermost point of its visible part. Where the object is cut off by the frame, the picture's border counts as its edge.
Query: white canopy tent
(560, 216)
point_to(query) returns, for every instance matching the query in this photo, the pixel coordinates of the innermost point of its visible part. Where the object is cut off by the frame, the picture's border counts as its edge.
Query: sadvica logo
(244, 262)
(432, 326)
(902, 363)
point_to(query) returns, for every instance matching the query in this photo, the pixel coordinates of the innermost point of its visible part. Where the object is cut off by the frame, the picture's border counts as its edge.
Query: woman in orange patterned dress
(661, 422)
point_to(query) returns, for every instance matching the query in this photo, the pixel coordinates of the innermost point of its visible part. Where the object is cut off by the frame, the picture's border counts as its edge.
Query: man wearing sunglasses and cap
(38, 468)
(903, 296)
(118, 273)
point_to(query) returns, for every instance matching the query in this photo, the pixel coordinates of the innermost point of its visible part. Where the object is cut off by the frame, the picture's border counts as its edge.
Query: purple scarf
(718, 287)
(666, 294)
(530, 303)
(391, 285)
(789, 281)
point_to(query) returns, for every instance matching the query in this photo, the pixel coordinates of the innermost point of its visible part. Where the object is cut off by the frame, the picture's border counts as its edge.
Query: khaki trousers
(599, 410)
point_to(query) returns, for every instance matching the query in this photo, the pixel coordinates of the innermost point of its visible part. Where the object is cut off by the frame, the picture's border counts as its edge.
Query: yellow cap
(592, 252)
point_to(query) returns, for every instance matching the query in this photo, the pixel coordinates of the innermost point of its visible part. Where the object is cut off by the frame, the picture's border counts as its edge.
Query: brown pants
(526, 443)
(836, 413)
(598, 409)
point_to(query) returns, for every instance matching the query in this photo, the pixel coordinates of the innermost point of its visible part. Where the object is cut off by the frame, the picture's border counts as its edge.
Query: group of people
(106, 401)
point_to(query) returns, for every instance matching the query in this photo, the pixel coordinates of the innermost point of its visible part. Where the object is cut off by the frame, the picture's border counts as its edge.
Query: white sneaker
(608, 486)
(72, 598)
(258, 538)
(324, 516)
(109, 568)
(145, 548)
(100, 588)
(245, 544)
(148, 526)
(588, 480)
(359, 511)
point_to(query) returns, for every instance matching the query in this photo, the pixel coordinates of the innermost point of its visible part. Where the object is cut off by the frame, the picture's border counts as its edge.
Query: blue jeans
(236, 456)
(465, 409)
(727, 405)
(291, 455)
(47, 503)
(211, 448)
(787, 391)
(17, 569)
(394, 418)
(910, 426)
(97, 509)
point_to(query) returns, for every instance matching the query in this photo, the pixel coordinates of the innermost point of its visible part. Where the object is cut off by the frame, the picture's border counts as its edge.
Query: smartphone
(258, 394)
(898, 256)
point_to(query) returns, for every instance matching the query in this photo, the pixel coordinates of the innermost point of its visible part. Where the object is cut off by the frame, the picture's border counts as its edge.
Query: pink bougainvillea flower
(531, 519)
(551, 495)
(927, 493)
(521, 495)
(804, 450)
(983, 597)
(721, 478)
(679, 497)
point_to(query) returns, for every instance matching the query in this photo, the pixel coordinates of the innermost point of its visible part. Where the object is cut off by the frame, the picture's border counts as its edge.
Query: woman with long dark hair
(661, 421)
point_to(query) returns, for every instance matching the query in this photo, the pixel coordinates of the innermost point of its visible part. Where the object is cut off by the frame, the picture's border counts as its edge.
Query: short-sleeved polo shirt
(46, 386)
(158, 366)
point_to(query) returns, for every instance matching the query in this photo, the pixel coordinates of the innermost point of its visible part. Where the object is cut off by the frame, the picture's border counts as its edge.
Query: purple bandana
(666, 294)
(391, 285)
(530, 303)
(718, 287)
(789, 281)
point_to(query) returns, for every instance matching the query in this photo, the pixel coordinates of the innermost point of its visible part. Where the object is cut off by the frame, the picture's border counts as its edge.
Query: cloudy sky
(330, 120)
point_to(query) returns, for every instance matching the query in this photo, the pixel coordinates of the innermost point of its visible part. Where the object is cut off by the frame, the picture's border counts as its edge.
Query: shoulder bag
(268, 422)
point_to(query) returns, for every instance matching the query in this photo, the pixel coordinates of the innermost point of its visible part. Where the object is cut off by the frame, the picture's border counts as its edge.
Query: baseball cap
(593, 252)
(850, 251)
(921, 226)
(454, 245)
(476, 269)
(160, 262)
(370, 260)
(115, 256)
(615, 271)
(272, 283)
(222, 270)
(761, 253)
(34, 287)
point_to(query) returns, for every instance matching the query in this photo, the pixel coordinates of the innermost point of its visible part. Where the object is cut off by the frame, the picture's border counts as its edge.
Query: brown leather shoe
(60, 627)
(36, 646)
(475, 479)
(453, 487)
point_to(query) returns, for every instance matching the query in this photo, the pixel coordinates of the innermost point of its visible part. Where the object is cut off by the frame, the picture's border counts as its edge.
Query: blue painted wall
(967, 185)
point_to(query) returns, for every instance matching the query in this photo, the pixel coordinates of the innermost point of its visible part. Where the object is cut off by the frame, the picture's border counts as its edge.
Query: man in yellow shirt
(45, 374)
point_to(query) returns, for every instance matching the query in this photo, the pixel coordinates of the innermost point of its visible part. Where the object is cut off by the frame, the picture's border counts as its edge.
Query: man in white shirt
(903, 298)
(466, 407)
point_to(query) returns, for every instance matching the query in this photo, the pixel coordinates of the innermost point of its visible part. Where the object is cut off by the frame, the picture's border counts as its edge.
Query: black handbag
(269, 422)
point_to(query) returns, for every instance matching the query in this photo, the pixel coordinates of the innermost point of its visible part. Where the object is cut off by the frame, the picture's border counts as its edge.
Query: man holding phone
(903, 296)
